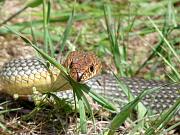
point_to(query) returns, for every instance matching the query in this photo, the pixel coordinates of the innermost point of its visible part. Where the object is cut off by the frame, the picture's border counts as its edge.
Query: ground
(136, 34)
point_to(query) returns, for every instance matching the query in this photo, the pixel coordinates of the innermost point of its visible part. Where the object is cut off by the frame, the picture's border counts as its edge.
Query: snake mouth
(79, 76)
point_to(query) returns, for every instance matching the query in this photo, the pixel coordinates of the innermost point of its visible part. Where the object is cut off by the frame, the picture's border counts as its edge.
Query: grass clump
(116, 31)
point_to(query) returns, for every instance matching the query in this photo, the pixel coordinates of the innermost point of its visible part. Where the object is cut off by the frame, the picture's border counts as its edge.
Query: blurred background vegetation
(133, 37)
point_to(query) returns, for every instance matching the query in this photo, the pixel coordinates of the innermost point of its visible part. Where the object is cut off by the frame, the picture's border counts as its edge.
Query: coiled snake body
(21, 75)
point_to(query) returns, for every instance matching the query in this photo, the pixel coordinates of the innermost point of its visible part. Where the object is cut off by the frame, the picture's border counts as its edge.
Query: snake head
(82, 65)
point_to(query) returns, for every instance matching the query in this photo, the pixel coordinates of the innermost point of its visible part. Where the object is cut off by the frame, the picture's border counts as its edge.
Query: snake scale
(19, 76)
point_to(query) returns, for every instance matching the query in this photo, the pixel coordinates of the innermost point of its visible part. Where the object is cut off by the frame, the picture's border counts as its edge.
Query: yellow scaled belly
(21, 76)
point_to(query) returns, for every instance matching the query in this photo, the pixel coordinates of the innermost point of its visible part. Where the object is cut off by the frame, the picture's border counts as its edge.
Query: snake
(20, 76)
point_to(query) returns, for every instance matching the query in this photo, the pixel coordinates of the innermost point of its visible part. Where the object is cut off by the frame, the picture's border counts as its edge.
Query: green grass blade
(76, 86)
(141, 109)
(99, 99)
(45, 26)
(9, 110)
(164, 118)
(119, 52)
(112, 37)
(43, 54)
(33, 35)
(34, 3)
(81, 102)
(168, 63)
(14, 15)
(67, 30)
(120, 118)
(165, 40)
(171, 127)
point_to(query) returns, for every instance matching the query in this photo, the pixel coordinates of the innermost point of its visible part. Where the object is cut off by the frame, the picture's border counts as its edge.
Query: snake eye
(91, 68)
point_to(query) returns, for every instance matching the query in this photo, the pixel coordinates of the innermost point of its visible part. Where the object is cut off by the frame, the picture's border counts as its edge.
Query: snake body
(19, 76)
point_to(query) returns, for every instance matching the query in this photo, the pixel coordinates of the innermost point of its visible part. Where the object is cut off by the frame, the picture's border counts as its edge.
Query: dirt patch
(12, 47)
